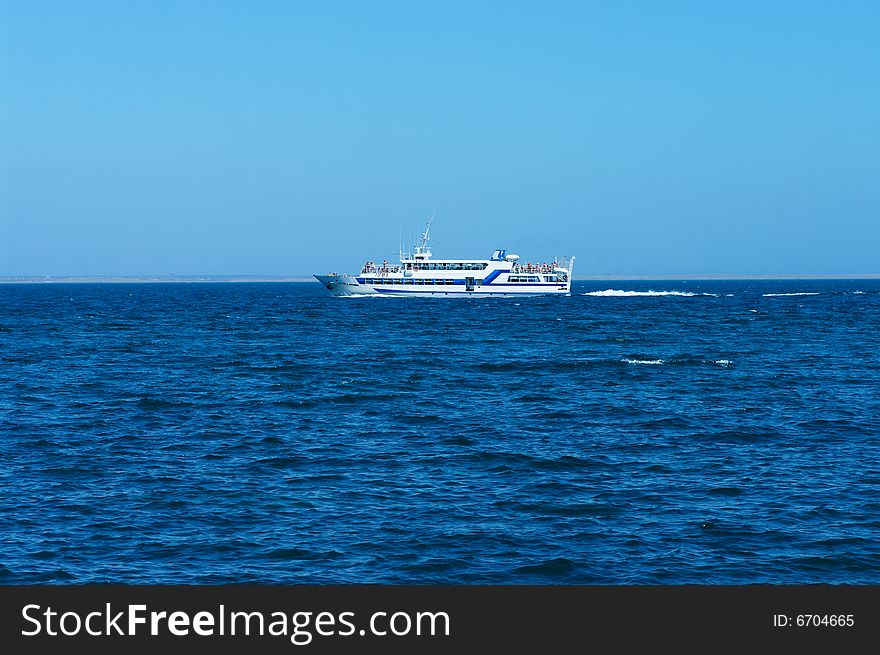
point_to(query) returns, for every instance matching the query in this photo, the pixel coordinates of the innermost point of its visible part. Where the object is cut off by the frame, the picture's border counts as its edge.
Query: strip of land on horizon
(155, 279)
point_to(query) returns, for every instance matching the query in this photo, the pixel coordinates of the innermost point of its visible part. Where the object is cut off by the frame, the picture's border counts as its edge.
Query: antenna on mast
(422, 251)
(428, 229)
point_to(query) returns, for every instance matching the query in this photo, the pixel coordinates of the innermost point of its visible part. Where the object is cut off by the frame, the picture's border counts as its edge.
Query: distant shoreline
(166, 279)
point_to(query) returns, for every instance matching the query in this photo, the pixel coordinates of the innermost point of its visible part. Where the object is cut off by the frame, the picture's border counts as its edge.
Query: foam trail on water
(800, 293)
(620, 293)
(642, 361)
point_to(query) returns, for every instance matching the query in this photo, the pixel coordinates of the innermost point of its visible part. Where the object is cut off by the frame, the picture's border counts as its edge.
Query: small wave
(151, 402)
(723, 362)
(559, 566)
(620, 293)
(858, 293)
(643, 361)
(799, 293)
(285, 554)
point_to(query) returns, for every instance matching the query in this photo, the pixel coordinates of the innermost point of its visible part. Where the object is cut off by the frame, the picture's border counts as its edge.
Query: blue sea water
(723, 433)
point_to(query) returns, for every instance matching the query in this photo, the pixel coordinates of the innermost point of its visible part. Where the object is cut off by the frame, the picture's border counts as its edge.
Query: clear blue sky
(286, 138)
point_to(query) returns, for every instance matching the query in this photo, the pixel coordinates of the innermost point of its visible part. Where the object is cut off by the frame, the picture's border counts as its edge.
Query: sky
(290, 138)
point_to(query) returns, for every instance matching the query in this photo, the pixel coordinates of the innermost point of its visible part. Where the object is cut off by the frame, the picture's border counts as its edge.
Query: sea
(636, 432)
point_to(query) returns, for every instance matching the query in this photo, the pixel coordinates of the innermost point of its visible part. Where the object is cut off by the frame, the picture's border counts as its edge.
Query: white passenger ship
(419, 274)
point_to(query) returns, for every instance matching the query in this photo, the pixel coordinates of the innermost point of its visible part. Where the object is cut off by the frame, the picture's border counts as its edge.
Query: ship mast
(422, 251)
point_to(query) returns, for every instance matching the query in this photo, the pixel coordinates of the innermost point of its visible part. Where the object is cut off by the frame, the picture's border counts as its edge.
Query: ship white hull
(348, 285)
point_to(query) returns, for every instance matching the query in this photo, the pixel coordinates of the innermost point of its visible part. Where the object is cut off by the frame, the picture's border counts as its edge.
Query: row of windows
(447, 266)
(523, 278)
(410, 281)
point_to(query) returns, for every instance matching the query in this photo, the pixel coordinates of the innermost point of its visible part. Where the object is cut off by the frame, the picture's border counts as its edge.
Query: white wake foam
(800, 293)
(620, 293)
(642, 361)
